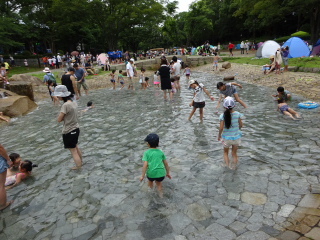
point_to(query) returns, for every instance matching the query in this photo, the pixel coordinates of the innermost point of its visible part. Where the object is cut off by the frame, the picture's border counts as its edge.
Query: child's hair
(220, 84)
(187, 66)
(49, 83)
(146, 79)
(280, 89)
(120, 71)
(113, 71)
(227, 118)
(89, 104)
(28, 165)
(14, 156)
(172, 79)
(155, 72)
(153, 140)
(143, 70)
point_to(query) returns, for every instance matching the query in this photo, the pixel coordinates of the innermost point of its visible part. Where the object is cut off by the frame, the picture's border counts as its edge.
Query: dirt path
(302, 83)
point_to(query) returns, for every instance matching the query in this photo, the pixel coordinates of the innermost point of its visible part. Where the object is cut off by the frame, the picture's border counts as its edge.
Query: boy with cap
(154, 163)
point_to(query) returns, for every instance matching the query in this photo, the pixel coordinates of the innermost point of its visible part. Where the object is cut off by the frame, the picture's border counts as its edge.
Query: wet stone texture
(269, 196)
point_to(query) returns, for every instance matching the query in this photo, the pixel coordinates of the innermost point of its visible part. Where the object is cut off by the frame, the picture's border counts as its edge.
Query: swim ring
(308, 105)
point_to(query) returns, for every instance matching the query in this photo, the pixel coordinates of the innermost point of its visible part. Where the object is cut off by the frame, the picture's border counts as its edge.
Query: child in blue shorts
(154, 163)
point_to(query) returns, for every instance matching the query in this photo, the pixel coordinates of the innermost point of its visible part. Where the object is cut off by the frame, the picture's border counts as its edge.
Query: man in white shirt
(130, 73)
(59, 61)
(176, 72)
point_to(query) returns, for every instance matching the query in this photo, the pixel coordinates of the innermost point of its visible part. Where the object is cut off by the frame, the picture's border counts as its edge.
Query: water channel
(105, 200)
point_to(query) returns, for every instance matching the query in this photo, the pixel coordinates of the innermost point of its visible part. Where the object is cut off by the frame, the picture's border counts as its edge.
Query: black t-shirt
(65, 80)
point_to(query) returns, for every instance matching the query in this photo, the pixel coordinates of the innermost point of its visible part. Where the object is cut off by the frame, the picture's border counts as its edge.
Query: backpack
(52, 78)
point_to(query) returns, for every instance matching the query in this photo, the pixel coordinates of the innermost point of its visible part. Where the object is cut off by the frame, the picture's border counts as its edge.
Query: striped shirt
(234, 132)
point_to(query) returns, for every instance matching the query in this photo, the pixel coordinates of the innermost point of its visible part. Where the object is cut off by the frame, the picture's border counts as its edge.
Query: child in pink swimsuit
(25, 171)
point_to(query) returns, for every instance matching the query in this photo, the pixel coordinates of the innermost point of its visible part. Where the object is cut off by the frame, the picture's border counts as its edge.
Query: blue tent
(238, 46)
(297, 47)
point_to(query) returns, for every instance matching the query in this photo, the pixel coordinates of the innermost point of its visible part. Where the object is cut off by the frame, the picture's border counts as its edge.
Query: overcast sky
(183, 5)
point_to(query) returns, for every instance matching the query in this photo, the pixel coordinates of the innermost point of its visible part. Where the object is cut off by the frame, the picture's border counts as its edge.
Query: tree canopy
(107, 25)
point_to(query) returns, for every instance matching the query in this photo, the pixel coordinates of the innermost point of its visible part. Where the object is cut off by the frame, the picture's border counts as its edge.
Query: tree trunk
(315, 24)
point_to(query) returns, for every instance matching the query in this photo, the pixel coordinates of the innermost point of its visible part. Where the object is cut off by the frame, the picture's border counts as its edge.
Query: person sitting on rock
(89, 68)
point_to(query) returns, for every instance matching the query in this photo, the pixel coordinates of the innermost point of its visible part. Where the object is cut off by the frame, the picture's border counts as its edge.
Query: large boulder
(226, 65)
(15, 105)
(26, 79)
(21, 88)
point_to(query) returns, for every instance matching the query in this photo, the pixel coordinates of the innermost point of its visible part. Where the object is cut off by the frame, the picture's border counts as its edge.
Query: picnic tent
(297, 47)
(316, 49)
(267, 49)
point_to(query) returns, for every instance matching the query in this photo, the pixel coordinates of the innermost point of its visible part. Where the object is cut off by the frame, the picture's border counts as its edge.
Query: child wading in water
(142, 79)
(198, 100)
(25, 171)
(229, 90)
(156, 80)
(121, 79)
(229, 131)
(112, 80)
(187, 71)
(286, 110)
(154, 163)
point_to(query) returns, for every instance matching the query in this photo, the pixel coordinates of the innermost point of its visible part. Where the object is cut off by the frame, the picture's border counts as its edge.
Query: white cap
(229, 102)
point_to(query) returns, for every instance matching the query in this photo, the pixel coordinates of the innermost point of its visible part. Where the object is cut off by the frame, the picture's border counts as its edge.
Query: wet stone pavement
(105, 200)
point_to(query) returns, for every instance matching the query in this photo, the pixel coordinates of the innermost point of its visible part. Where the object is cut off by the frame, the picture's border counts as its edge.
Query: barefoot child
(51, 85)
(229, 90)
(215, 62)
(16, 160)
(198, 100)
(286, 110)
(230, 131)
(187, 71)
(282, 94)
(154, 163)
(121, 79)
(156, 80)
(112, 80)
(142, 79)
(25, 170)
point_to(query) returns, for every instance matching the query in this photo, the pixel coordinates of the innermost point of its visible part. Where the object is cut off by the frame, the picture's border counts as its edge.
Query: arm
(240, 123)
(166, 165)
(220, 130)
(4, 154)
(61, 116)
(220, 98)
(144, 170)
(4, 119)
(191, 104)
(74, 84)
(207, 92)
(19, 179)
(236, 84)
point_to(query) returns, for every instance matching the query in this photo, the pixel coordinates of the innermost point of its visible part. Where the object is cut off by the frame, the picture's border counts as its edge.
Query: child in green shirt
(154, 163)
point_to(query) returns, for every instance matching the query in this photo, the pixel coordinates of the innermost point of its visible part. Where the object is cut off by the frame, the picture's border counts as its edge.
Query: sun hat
(61, 91)
(229, 103)
(152, 138)
(46, 70)
(191, 82)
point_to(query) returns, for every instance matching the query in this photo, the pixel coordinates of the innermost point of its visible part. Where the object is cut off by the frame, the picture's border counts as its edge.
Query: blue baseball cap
(152, 138)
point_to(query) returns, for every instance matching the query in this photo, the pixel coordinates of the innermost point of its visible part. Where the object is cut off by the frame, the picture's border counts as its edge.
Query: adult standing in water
(176, 72)
(130, 73)
(70, 131)
(164, 72)
(5, 163)
(69, 81)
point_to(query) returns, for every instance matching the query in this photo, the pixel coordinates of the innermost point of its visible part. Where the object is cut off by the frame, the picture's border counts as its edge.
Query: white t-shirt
(59, 58)
(177, 68)
(129, 69)
(199, 97)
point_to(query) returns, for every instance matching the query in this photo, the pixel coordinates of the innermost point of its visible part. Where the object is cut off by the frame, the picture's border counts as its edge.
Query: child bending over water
(25, 169)
(229, 90)
(154, 164)
(16, 160)
(286, 110)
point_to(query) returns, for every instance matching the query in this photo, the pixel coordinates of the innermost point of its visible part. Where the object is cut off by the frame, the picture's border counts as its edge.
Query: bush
(61, 52)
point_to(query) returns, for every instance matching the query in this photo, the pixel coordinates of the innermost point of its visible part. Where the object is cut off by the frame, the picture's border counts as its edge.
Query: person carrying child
(230, 132)
(229, 90)
(121, 79)
(198, 100)
(155, 164)
(286, 110)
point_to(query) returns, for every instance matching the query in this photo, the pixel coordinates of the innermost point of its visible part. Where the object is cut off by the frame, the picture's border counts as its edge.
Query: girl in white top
(198, 100)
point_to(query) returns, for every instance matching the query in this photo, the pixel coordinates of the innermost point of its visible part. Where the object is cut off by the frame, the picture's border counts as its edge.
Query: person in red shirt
(45, 61)
(231, 46)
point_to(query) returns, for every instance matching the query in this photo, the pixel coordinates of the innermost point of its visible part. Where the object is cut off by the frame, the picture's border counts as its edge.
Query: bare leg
(79, 152)
(201, 114)
(177, 84)
(297, 115)
(159, 187)
(76, 157)
(288, 114)
(236, 96)
(226, 156)
(191, 114)
(150, 184)
(86, 91)
(171, 95)
(165, 94)
(3, 193)
(235, 155)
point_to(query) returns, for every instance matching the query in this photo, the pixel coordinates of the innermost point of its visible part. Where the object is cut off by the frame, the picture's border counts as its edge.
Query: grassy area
(309, 62)
(22, 70)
